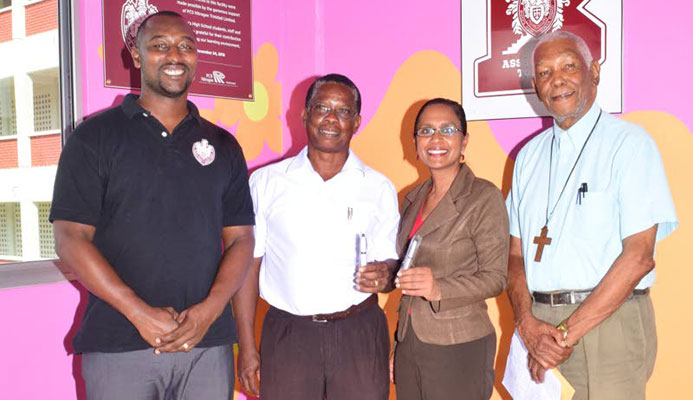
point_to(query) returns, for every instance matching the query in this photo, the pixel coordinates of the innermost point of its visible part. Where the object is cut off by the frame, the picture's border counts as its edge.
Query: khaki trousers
(615, 359)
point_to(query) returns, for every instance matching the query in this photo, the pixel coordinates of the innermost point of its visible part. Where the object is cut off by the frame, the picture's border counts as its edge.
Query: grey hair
(580, 43)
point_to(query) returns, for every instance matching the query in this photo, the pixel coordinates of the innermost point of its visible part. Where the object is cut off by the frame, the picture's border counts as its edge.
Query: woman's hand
(418, 281)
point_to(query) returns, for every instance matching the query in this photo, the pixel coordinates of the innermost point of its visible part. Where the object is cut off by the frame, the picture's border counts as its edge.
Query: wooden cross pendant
(541, 241)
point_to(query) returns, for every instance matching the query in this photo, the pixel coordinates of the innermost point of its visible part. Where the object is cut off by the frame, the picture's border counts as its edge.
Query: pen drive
(363, 250)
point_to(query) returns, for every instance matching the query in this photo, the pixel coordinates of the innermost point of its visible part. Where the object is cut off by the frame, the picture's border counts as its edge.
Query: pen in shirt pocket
(582, 191)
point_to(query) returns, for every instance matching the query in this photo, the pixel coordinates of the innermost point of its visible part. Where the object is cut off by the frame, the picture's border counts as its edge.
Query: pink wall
(37, 326)
(370, 41)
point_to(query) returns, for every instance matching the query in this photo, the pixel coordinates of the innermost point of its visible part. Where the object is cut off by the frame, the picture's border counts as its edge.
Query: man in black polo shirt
(145, 197)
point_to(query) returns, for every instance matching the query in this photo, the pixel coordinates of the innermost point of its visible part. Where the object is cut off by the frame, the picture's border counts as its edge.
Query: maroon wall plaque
(498, 39)
(499, 72)
(222, 28)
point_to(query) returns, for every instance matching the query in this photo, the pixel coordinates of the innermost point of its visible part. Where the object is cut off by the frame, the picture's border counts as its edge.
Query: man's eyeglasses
(443, 131)
(322, 110)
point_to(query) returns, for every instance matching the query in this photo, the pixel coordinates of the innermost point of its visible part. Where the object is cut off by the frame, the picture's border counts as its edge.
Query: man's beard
(157, 86)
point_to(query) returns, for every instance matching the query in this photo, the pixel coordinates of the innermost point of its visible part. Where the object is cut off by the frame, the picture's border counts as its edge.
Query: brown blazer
(465, 243)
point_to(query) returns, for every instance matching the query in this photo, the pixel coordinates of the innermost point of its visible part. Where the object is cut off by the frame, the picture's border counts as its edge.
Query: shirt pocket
(364, 220)
(348, 220)
(595, 216)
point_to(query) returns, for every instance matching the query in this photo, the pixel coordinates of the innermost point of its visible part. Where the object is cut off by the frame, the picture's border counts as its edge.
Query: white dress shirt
(307, 231)
(627, 193)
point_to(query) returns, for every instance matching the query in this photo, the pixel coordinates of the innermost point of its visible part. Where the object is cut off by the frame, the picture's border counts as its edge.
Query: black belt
(371, 300)
(572, 296)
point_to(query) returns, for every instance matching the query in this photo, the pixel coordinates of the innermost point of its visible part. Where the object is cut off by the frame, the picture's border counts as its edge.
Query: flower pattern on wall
(256, 122)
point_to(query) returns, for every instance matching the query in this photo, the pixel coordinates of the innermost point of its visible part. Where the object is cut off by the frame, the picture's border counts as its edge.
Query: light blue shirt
(627, 193)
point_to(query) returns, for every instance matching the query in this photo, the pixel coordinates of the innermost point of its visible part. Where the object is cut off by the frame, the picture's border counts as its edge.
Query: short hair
(334, 78)
(455, 106)
(580, 43)
(145, 21)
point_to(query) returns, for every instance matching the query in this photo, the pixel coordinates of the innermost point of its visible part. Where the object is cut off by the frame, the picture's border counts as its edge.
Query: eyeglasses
(443, 131)
(322, 110)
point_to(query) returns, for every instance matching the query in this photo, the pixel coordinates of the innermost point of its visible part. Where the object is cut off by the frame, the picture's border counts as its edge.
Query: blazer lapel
(411, 206)
(446, 209)
(439, 216)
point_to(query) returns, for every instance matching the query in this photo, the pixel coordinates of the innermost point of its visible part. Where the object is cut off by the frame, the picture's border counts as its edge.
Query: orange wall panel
(41, 17)
(8, 154)
(45, 150)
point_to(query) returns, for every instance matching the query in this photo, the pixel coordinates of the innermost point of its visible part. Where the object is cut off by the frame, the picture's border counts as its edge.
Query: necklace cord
(548, 195)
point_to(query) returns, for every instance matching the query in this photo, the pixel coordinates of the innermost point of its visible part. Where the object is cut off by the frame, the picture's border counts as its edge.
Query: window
(30, 122)
(46, 240)
(46, 100)
(10, 232)
(8, 116)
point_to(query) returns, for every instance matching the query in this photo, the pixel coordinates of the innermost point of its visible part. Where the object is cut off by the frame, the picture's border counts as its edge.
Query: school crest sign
(536, 17)
(496, 72)
(131, 15)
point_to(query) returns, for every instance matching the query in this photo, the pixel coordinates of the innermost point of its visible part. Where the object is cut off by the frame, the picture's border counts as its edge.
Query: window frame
(43, 271)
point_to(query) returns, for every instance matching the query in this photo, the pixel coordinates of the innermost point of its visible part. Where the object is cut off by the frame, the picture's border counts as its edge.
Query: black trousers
(433, 372)
(338, 360)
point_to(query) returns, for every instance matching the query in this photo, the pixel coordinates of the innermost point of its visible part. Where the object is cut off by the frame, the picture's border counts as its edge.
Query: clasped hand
(168, 331)
(545, 346)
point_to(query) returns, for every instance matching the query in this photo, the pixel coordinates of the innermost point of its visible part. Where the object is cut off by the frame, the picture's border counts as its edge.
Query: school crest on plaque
(131, 15)
(536, 17)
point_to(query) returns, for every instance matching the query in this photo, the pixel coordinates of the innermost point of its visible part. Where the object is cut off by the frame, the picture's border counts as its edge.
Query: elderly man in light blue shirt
(589, 200)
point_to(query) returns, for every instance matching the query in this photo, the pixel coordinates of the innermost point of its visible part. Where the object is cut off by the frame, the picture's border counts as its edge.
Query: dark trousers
(338, 360)
(432, 372)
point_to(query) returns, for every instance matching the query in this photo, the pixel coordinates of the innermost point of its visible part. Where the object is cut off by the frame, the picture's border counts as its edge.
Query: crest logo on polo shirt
(203, 152)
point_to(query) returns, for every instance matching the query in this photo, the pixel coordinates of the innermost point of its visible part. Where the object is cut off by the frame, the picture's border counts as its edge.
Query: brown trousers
(345, 359)
(433, 372)
(615, 359)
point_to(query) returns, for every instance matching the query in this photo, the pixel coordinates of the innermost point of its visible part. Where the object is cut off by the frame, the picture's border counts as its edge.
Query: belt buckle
(571, 298)
(317, 318)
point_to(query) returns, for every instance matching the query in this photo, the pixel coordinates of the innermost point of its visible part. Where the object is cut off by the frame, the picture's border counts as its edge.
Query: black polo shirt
(158, 202)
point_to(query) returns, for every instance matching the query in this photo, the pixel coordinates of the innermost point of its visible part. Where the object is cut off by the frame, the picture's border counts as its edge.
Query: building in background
(29, 127)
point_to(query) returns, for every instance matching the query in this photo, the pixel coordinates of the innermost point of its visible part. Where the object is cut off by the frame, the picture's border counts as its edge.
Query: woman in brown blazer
(445, 343)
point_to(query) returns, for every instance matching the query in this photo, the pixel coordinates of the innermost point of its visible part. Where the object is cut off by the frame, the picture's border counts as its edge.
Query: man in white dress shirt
(589, 200)
(325, 335)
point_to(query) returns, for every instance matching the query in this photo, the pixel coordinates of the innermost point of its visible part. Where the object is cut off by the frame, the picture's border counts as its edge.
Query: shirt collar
(302, 163)
(577, 134)
(131, 108)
